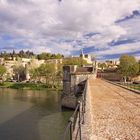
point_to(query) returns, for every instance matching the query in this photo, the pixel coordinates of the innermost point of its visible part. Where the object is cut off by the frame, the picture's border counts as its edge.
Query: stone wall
(73, 85)
(110, 76)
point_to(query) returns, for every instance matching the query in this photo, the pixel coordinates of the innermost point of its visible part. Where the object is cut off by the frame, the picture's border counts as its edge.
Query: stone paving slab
(115, 112)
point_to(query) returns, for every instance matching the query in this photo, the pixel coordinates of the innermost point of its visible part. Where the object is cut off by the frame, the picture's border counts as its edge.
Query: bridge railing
(73, 130)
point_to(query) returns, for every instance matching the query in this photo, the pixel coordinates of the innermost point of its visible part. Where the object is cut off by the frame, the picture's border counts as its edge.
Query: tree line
(52, 73)
(21, 54)
(29, 54)
(128, 68)
(49, 73)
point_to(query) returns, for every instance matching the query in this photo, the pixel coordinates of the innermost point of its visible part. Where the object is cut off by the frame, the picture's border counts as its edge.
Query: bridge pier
(74, 79)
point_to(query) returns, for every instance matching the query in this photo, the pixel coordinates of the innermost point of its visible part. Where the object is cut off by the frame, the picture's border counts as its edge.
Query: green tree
(45, 56)
(139, 66)
(102, 66)
(34, 73)
(128, 66)
(44, 71)
(2, 72)
(47, 71)
(20, 72)
(58, 56)
(8, 76)
(74, 61)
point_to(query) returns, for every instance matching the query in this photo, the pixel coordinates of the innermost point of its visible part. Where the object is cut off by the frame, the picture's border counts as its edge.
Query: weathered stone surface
(72, 85)
(87, 126)
(69, 102)
(115, 112)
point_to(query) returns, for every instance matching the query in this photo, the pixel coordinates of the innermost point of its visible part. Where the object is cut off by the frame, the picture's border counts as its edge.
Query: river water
(31, 115)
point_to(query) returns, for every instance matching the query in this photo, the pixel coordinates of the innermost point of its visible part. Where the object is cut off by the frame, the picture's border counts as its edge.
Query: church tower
(82, 54)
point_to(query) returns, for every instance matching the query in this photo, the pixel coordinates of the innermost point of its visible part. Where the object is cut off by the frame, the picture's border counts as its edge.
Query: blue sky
(103, 28)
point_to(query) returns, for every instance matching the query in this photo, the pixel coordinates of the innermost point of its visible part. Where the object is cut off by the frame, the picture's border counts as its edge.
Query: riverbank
(134, 86)
(30, 86)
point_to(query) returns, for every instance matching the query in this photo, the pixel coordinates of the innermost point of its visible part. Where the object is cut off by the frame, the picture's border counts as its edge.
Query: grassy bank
(31, 86)
(134, 86)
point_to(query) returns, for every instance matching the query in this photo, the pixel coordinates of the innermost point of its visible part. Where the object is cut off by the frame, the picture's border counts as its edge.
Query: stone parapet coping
(87, 126)
(133, 90)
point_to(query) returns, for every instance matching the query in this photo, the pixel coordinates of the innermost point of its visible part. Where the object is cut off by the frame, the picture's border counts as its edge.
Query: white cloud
(121, 49)
(40, 22)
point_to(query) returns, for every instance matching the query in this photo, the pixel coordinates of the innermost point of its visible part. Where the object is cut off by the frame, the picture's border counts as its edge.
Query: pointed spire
(82, 51)
(82, 54)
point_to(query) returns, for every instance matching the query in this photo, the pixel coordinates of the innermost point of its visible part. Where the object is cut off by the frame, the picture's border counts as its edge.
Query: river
(31, 115)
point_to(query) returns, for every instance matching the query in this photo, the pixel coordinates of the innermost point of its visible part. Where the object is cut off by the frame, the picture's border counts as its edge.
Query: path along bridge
(115, 112)
(112, 112)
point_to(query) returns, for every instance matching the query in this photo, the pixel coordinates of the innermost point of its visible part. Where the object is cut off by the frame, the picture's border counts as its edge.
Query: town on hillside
(28, 67)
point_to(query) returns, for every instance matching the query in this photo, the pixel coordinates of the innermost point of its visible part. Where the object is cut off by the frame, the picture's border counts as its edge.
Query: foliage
(102, 65)
(51, 73)
(46, 69)
(34, 73)
(128, 66)
(2, 71)
(46, 56)
(139, 66)
(21, 54)
(29, 54)
(8, 77)
(31, 86)
(75, 61)
(20, 72)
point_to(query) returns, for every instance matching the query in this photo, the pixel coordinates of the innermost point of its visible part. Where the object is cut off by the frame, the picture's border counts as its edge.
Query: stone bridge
(74, 79)
(112, 112)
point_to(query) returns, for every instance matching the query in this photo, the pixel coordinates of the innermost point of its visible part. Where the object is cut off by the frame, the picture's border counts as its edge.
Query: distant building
(9, 64)
(86, 57)
(1, 61)
(28, 63)
(25, 61)
(112, 63)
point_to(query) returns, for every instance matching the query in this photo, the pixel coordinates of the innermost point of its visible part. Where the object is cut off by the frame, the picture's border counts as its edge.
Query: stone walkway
(115, 112)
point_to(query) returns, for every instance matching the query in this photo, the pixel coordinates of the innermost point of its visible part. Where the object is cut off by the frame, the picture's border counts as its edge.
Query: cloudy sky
(105, 28)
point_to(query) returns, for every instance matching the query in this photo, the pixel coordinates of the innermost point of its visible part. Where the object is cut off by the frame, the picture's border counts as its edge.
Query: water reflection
(31, 115)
